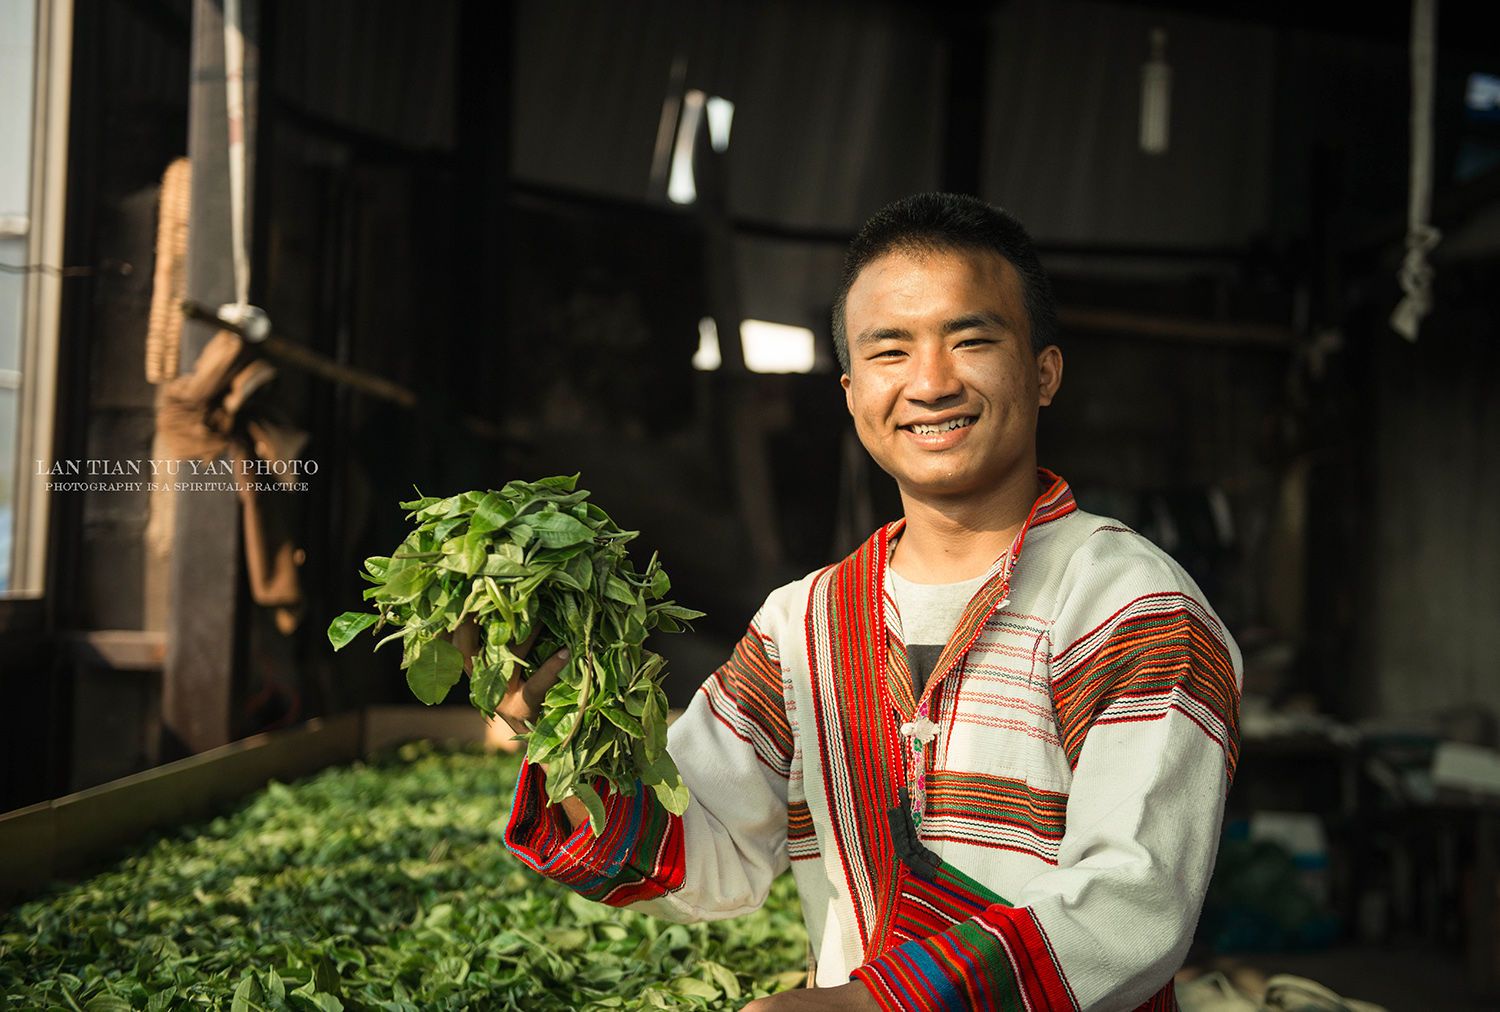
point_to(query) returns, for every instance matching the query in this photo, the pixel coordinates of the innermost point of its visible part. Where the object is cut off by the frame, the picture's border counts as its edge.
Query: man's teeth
(932, 430)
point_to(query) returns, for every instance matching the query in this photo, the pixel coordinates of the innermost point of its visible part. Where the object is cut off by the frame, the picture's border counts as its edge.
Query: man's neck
(948, 541)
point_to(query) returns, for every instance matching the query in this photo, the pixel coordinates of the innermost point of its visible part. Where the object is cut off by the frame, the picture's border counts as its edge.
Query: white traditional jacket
(1036, 831)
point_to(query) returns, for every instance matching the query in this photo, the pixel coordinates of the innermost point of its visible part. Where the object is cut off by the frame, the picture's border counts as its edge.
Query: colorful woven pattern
(1159, 654)
(857, 750)
(928, 906)
(746, 695)
(961, 946)
(639, 855)
(999, 959)
(1005, 813)
(801, 838)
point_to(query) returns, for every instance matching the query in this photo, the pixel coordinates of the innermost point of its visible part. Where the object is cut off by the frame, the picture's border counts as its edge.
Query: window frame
(42, 298)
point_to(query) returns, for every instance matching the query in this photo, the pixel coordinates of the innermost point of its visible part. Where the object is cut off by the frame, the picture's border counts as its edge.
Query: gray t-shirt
(929, 614)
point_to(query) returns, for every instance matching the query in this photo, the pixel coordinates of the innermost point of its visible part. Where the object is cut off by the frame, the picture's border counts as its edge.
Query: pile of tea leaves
(382, 885)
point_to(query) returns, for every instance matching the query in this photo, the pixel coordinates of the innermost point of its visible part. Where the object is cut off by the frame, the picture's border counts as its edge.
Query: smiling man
(993, 743)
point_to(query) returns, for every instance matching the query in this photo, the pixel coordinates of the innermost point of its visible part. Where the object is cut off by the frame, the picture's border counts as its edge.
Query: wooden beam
(119, 649)
(203, 629)
(1174, 328)
(385, 726)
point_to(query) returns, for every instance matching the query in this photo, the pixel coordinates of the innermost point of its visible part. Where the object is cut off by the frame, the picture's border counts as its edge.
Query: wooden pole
(203, 629)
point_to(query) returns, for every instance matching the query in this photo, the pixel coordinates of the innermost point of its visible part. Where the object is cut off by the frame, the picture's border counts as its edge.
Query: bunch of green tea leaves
(375, 886)
(536, 556)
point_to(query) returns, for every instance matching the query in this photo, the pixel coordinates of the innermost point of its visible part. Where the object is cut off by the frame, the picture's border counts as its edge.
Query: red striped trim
(746, 695)
(637, 856)
(998, 958)
(1155, 659)
(859, 723)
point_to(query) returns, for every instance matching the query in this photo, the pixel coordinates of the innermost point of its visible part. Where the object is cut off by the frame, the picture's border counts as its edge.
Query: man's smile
(930, 426)
(939, 434)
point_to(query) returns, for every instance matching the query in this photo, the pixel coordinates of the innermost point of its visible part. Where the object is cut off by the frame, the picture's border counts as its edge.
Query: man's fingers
(466, 639)
(525, 647)
(534, 689)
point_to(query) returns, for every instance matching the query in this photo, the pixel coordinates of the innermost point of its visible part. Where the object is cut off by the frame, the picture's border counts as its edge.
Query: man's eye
(974, 340)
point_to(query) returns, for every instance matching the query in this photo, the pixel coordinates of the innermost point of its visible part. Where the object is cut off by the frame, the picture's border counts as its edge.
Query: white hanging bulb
(1156, 96)
(682, 188)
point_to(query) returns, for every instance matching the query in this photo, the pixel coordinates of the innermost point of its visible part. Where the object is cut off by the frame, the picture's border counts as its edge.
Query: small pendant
(921, 731)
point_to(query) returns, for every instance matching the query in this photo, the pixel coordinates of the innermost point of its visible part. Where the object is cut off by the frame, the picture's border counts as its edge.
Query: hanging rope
(234, 98)
(1415, 275)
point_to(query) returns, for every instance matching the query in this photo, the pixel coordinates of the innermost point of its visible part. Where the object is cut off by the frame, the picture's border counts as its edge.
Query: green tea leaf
(487, 687)
(342, 630)
(660, 584)
(674, 798)
(406, 584)
(696, 988)
(617, 589)
(562, 483)
(722, 976)
(248, 991)
(435, 671)
(559, 530)
(473, 552)
(275, 989)
(107, 1003)
(595, 804)
(662, 771)
(497, 565)
(624, 721)
(491, 513)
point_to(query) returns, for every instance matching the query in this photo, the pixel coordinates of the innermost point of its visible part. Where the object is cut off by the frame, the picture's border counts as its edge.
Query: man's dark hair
(942, 222)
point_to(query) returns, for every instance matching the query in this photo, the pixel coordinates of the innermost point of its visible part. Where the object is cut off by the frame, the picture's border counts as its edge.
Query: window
(35, 36)
(767, 347)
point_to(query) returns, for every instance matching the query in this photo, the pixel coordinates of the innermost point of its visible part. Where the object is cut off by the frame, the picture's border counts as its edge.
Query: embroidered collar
(1055, 501)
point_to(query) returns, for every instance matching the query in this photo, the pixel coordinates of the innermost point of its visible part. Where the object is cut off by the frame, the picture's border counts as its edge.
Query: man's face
(942, 382)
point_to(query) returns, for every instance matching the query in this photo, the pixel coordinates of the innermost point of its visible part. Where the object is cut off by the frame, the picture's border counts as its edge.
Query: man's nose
(933, 375)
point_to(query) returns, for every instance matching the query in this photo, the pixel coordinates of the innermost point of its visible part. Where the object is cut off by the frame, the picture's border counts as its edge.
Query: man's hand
(522, 703)
(850, 997)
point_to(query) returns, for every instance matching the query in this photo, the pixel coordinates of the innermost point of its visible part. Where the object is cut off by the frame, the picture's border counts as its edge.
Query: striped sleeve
(637, 857)
(733, 747)
(1160, 653)
(1146, 684)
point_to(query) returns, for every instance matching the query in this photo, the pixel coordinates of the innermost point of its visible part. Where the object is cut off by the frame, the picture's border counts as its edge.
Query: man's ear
(1049, 372)
(844, 382)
